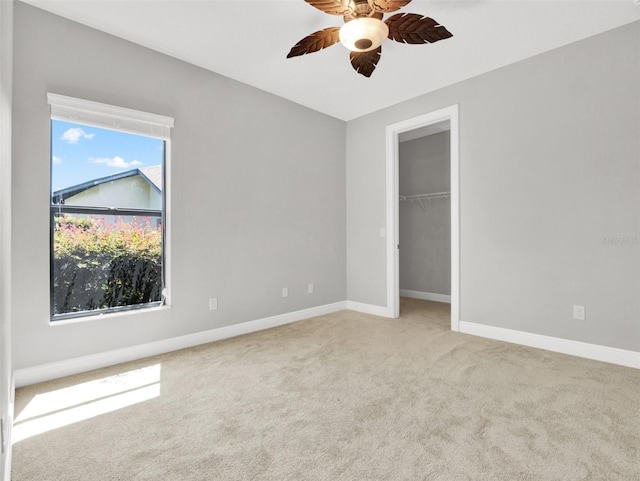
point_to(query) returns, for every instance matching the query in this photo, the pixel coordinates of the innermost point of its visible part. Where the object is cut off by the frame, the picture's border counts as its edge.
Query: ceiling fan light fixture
(364, 31)
(363, 34)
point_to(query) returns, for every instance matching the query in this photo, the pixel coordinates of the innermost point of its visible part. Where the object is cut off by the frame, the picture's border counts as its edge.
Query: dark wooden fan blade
(386, 6)
(365, 62)
(334, 7)
(316, 41)
(414, 28)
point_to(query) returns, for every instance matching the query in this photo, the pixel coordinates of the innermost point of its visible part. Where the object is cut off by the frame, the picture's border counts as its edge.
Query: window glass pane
(106, 261)
(107, 211)
(100, 167)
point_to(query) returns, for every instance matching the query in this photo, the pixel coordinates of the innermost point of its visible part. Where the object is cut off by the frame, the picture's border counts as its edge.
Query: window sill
(109, 315)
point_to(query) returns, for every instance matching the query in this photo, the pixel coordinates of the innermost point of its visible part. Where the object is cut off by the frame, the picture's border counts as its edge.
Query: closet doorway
(424, 185)
(422, 211)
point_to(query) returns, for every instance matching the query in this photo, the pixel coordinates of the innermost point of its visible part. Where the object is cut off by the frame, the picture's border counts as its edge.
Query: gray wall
(549, 182)
(425, 234)
(257, 185)
(6, 369)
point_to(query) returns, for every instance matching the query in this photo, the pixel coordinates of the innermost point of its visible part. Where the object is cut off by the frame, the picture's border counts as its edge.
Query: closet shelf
(421, 197)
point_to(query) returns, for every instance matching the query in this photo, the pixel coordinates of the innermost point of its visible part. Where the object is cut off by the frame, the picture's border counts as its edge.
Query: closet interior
(425, 213)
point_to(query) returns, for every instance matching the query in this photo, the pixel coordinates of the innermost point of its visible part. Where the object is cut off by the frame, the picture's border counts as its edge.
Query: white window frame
(96, 114)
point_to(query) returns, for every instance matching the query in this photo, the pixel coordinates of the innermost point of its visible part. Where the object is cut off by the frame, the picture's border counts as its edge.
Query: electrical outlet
(213, 303)
(285, 292)
(310, 288)
(578, 312)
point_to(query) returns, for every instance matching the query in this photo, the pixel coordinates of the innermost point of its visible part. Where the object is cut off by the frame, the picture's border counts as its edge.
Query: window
(108, 221)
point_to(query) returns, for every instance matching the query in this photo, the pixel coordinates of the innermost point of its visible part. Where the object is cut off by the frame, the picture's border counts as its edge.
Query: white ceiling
(248, 40)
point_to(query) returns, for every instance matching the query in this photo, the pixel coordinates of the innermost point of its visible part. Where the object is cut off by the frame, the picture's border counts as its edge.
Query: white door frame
(392, 203)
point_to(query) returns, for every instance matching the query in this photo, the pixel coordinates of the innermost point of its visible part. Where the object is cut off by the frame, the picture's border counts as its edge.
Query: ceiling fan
(364, 31)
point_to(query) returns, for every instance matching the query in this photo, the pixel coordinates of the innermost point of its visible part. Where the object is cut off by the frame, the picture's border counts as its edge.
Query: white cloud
(116, 162)
(56, 160)
(73, 135)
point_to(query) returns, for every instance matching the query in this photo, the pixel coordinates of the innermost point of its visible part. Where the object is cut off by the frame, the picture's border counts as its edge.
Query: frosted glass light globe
(363, 34)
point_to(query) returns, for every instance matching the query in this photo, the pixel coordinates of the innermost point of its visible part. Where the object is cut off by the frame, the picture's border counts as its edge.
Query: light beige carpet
(349, 396)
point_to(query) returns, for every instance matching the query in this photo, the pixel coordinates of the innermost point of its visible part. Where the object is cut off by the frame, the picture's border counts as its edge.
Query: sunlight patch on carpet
(56, 409)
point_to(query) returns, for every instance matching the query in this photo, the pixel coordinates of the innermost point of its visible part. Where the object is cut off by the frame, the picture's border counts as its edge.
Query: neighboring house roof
(152, 174)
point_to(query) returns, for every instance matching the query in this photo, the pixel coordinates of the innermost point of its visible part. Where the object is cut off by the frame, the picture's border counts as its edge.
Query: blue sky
(80, 153)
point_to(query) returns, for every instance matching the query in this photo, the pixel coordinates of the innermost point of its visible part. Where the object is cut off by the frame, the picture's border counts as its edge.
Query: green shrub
(99, 265)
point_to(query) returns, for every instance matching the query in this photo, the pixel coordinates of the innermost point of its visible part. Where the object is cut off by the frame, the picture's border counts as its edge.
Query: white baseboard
(8, 444)
(54, 370)
(32, 375)
(565, 346)
(425, 296)
(368, 308)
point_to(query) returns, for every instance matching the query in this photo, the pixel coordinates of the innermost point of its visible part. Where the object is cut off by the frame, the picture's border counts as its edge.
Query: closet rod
(421, 197)
(425, 196)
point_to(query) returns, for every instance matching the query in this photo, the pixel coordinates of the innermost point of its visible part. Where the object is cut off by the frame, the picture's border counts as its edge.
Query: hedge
(99, 265)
